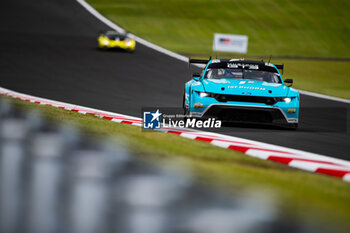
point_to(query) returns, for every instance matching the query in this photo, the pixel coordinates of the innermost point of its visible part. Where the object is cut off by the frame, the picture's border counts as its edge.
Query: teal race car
(238, 90)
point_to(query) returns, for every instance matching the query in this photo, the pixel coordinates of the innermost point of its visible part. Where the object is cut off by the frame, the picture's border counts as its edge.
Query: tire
(184, 106)
(293, 126)
(103, 48)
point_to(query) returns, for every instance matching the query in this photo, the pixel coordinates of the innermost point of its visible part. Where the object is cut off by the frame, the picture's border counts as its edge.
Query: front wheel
(293, 126)
(103, 48)
(185, 108)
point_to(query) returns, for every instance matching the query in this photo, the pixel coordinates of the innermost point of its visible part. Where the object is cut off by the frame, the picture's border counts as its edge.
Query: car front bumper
(247, 114)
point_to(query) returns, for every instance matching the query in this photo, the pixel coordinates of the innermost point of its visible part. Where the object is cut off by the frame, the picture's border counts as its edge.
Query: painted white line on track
(324, 96)
(103, 19)
(114, 26)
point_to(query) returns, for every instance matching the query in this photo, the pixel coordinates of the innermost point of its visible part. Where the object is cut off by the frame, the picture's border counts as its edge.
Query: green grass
(327, 77)
(323, 199)
(314, 28)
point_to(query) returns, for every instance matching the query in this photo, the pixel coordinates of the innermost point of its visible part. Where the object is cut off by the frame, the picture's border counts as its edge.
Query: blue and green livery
(238, 90)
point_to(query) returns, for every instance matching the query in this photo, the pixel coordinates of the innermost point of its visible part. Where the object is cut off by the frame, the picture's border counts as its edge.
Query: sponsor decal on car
(243, 66)
(245, 87)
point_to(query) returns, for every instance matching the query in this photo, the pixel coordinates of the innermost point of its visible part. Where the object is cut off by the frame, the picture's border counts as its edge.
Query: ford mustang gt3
(238, 90)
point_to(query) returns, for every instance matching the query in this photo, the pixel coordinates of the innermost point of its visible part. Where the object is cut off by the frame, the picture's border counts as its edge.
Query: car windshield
(114, 36)
(245, 74)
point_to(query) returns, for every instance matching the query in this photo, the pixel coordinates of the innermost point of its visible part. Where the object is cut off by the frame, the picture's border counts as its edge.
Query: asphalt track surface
(49, 50)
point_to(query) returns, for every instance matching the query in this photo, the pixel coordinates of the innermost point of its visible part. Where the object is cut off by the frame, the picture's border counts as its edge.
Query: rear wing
(198, 61)
(280, 67)
(202, 61)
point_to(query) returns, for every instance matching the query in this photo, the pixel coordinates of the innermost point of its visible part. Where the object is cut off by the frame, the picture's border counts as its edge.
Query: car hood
(244, 87)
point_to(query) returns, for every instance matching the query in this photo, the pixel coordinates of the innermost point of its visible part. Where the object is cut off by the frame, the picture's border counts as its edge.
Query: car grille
(245, 114)
(242, 98)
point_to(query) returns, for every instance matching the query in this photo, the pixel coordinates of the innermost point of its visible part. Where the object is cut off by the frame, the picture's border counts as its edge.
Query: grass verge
(301, 194)
(326, 77)
(314, 28)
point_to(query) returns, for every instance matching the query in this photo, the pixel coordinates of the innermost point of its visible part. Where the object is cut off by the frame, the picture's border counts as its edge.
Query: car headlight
(287, 99)
(105, 42)
(203, 94)
(128, 43)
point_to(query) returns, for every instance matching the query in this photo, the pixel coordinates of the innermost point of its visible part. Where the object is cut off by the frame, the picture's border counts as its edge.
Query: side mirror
(196, 76)
(288, 82)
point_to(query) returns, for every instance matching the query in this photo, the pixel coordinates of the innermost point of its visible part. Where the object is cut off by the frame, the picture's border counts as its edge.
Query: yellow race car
(114, 40)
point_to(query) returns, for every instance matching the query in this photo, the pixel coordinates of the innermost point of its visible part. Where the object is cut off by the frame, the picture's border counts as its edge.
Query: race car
(115, 40)
(238, 90)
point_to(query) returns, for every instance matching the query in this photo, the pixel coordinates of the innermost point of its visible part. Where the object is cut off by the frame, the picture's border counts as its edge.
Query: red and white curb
(291, 157)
